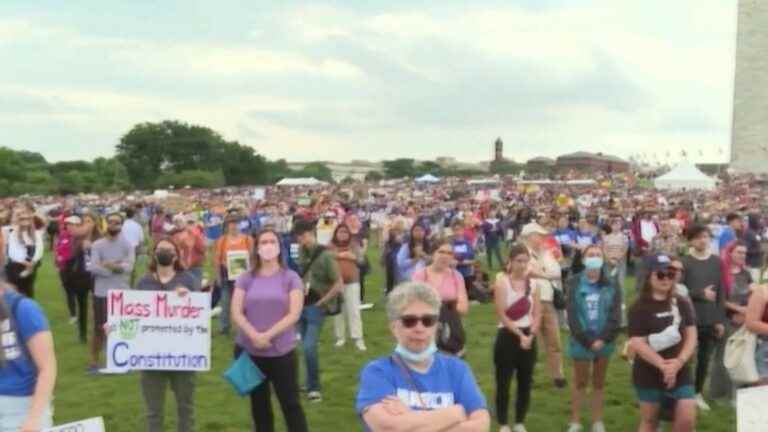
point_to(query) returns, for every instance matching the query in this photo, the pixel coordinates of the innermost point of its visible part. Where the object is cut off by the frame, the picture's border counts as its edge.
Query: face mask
(593, 263)
(412, 357)
(268, 252)
(165, 257)
(114, 231)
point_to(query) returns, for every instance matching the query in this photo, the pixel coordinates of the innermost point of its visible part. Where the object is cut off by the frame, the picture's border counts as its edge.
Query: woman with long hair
(518, 309)
(166, 273)
(594, 318)
(266, 305)
(737, 282)
(662, 331)
(450, 287)
(349, 256)
(24, 245)
(414, 254)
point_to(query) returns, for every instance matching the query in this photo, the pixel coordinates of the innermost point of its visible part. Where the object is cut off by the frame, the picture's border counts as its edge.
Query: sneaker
(701, 403)
(575, 427)
(314, 396)
(360, 345)
(72, 320)
(598, 427)
(560, 383)
(93, 370)
(340, 343)
(519, 428)
(505, 428)
(366, 306)
(215, 311)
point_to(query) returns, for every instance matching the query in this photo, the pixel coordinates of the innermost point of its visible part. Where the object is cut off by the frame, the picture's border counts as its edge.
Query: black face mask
(114, 231)
(165, 257)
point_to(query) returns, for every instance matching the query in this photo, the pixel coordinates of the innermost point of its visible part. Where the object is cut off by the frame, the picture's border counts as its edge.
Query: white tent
(427, 178)
(685, 176)
(309, 181)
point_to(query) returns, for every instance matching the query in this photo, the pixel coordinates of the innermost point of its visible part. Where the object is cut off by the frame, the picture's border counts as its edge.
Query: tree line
(177, 154)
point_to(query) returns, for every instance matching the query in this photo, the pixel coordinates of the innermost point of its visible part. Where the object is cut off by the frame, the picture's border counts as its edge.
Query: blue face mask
(413, 357)
(593, 263)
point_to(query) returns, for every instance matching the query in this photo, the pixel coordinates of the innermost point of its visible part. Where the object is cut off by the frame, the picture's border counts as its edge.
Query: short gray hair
(407, 293)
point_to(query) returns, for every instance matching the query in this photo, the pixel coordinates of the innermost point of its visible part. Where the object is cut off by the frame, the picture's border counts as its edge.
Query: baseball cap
(657, 262)
(533, 228)
(74, 220)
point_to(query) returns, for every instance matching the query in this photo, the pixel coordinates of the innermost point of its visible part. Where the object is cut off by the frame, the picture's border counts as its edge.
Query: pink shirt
(447, 285)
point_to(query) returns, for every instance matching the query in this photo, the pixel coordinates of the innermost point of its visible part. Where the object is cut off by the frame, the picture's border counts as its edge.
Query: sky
(379, 79)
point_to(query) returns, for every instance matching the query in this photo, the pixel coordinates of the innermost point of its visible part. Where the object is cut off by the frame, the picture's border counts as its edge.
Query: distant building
(539, 164)
(498, 151)
(591, 162)
(356, 170)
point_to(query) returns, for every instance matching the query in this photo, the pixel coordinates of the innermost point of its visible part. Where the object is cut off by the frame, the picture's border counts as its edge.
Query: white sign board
(91, 425)
(751, 415)
(158, 330)
(259, 194)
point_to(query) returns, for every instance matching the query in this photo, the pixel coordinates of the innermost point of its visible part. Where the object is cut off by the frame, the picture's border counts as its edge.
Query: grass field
(118, 400)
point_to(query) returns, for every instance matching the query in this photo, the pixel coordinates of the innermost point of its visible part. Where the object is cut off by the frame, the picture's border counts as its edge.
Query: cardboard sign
(238, 262)
(90, 425)
(751, 415)
(158, 330)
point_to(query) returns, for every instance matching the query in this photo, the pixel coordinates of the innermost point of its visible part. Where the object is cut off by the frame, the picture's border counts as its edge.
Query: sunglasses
(410, 321)
(666, 274)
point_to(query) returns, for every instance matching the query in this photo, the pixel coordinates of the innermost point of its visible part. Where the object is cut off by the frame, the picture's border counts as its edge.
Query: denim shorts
(655, 396)
(13, 413)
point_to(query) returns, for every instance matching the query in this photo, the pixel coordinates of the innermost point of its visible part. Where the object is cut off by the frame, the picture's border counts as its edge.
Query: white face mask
(268, 252)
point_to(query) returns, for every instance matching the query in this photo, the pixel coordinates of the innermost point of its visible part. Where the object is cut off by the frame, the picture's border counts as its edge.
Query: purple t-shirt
(266, 302)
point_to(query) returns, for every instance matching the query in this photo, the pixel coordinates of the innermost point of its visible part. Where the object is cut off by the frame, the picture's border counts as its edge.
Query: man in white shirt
(133, 233)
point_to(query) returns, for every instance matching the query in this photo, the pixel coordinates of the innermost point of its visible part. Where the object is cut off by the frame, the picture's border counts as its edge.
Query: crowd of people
(278, 265)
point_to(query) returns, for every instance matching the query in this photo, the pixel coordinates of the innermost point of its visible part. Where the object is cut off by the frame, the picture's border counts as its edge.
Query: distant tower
(498, 150)
(749, 136)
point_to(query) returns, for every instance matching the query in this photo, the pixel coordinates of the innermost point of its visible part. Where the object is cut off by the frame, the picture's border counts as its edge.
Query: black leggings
(510, 358)
(706, 346)
(282, 373)
(77, 287)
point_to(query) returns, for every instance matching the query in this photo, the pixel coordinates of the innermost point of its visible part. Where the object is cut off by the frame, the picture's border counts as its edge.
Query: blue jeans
(224, 302)
(310, 325)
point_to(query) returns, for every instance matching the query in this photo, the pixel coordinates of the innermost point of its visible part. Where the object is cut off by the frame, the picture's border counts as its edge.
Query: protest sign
(158, 330)
(238, 262)
(751, 415)
(259, 194)
(90, 425)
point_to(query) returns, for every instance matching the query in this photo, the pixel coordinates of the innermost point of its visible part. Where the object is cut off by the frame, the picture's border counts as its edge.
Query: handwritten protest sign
(158, 330)
(89, 425)
(751, 415)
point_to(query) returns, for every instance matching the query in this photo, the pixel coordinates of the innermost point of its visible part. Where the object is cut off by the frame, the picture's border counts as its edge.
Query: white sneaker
(366, 306)
(505, 428)
(360, 345)
(340, 343)
(72, 320)
(701, 403)
(575, 427)
(215, 311)
(315, 396)
(519, 428)
(598, 427)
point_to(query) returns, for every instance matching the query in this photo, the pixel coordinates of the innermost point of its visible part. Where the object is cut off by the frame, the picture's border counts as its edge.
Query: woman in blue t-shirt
(28, 365)
(594, 318)
(416, 387)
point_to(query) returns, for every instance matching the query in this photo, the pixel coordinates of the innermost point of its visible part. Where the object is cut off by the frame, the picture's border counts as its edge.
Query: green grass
(118, 400)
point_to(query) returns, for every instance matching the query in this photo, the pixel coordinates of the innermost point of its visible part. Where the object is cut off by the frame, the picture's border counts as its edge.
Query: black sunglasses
(666, 274)
(410, 321)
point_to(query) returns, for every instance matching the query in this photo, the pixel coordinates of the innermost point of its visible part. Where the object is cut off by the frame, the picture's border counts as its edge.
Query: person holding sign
(27, 364)
(266, 305)
(167, 274)
(232, 258)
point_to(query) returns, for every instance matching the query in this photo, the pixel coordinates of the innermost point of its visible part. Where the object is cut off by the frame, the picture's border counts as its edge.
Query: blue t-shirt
(592, 303)
(463, 251)
(585, 238)
(448, 382)
(213, 225)
(727, 235)
(565, 236)
(19, 376)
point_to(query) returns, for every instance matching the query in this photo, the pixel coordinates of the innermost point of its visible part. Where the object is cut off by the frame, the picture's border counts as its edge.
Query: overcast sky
(379, 79)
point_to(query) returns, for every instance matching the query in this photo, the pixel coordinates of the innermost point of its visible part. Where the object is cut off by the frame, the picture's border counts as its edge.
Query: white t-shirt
(132, 233)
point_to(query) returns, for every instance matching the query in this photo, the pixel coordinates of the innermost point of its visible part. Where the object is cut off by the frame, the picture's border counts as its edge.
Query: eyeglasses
(666, 274)
(410, 321)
